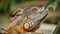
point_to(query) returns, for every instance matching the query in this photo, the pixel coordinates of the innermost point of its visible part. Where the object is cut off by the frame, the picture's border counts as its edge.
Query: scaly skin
(23, 27)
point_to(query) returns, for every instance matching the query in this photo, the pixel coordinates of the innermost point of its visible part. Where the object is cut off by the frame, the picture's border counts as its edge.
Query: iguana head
(34, 14)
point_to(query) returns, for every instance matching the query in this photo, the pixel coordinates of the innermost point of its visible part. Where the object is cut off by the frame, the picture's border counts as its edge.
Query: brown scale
(21, 25)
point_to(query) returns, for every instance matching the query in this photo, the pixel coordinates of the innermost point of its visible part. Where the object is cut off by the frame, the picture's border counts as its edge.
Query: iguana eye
(34, 9)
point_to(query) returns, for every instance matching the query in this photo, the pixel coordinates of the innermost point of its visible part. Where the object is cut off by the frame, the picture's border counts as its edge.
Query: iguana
(31, 19)
(26, 20)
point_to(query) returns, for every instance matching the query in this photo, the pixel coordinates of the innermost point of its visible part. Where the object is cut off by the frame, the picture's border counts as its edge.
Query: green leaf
(53, 4)
(57, 30)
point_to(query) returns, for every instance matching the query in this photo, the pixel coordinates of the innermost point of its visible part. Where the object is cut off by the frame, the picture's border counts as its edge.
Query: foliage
(53, 3)
(57, 30)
